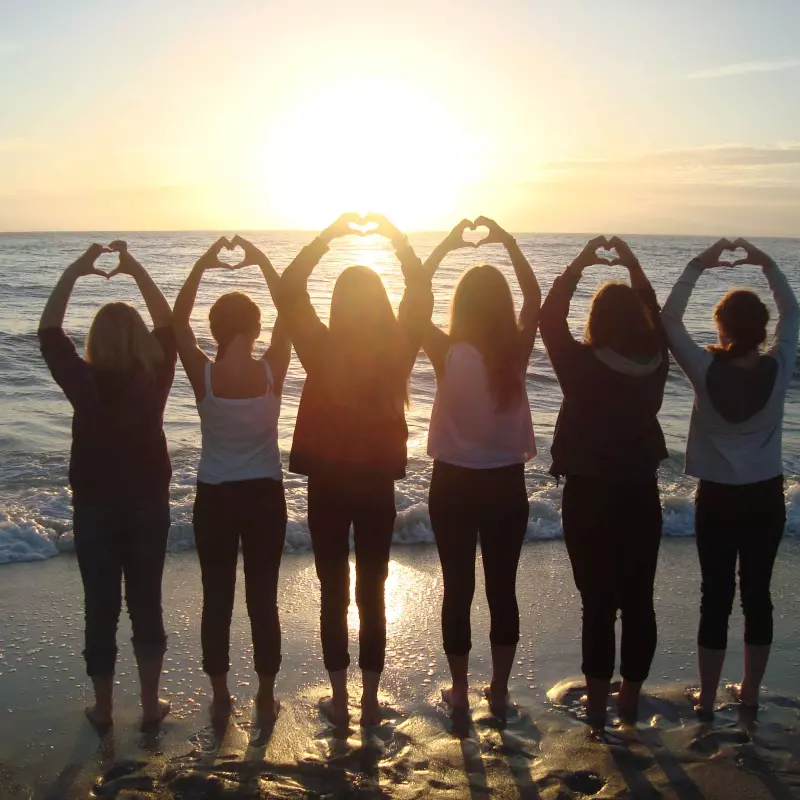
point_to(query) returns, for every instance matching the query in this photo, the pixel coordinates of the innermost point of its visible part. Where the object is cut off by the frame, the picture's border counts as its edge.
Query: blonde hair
(120, 341)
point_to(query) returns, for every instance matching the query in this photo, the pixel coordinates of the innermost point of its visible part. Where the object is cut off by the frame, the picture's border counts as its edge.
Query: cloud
(745, 68)
(9, 47)
(727, 156)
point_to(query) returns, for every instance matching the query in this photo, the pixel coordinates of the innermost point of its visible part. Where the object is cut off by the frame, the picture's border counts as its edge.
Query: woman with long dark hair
(734, 449)
(240, 496)
(350, 440)
(481, 435)
(119, 470)
(608, 445)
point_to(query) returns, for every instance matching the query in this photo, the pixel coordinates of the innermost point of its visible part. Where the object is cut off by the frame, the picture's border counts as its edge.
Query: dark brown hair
(742, 319)
(483, 315)
(368, 368)
(618, 319)
(232, 315)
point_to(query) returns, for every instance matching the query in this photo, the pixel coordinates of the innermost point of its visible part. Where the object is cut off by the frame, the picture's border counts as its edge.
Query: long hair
(233, 314)
(119, 341)
(619, 320)
(483, 315)
(742, 320)
(367, 366)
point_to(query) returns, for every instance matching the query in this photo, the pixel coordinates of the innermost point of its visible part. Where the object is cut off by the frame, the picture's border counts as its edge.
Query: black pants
(253, 512)
(111, 541)
(333, 505)
(466, 505)
(744, 522)
(613, 532)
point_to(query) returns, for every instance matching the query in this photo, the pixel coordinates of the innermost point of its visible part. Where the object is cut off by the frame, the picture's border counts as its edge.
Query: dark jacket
(332, 438)
(119, 451)
(608, 426)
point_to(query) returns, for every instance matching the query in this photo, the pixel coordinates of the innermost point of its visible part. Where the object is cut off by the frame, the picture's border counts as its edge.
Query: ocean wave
(26, 535)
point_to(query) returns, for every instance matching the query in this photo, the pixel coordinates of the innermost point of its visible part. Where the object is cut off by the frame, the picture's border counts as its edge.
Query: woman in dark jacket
(608, 445)
(350, 439)
(119, 470)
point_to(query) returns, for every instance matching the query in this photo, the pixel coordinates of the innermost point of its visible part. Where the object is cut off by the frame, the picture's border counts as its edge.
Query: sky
(627, 116)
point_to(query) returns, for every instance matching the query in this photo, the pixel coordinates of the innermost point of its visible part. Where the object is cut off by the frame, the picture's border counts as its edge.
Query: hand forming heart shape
(228, 257)
(475, 235)
(364, 226)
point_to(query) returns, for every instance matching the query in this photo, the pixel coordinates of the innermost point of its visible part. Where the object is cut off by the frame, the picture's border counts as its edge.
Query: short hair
(232, 315)
(742, 318)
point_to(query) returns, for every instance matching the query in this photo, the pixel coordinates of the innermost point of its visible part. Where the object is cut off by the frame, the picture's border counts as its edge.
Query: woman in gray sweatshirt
(734, 449)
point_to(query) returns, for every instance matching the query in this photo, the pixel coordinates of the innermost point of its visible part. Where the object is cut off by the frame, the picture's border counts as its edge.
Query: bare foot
(335, 710)
(628, 702)
(370, 711)
(457, 697)
(220, 710)
(498, 702)
(152, 716)
(267, 710)
(99, 717)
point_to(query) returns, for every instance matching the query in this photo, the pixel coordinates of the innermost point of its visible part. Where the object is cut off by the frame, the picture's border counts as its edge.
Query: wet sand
(48, 750)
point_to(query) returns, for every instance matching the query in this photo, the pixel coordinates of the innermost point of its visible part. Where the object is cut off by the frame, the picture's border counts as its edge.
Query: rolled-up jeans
(124, 539)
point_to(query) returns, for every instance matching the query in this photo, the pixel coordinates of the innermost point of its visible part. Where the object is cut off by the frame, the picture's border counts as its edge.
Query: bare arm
(279, 352)
(529, 286)
(194, 360)
(435, 342)
(56, 307)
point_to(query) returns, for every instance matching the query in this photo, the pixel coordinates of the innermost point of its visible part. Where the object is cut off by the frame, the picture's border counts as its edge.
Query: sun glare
(368, 144)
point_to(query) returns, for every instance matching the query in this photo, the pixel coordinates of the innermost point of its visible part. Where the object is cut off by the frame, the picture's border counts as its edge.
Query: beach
(48, 749)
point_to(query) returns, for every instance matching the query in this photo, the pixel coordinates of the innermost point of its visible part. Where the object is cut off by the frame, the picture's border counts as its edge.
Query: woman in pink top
(480, 437)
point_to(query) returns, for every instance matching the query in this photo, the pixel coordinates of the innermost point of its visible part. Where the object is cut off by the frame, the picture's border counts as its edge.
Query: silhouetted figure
(608, 444)
(350, 439)
(240, 497)
(734, 448)
(119, 470)
(481, 435)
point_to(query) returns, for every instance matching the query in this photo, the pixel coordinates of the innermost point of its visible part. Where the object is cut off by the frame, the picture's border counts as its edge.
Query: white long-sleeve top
(719, 450)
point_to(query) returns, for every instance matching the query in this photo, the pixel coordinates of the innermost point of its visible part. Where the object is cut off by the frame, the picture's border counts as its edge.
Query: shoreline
(47, 749)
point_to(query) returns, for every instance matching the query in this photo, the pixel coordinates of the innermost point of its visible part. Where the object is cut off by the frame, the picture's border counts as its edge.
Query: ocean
(35, 512)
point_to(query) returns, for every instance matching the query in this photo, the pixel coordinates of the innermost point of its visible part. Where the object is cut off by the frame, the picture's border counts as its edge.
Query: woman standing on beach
(240, 494)
(608, 445)
(350, 439)
(481, 435)
(734, 449)
(119, 470)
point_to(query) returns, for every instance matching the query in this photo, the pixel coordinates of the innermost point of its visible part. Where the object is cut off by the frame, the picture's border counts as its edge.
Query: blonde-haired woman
(119, 470)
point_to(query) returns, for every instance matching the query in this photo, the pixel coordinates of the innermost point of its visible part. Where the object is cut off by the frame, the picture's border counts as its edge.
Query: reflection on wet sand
(429, 753)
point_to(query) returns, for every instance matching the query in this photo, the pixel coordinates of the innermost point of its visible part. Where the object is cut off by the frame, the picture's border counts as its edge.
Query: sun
(368, 144)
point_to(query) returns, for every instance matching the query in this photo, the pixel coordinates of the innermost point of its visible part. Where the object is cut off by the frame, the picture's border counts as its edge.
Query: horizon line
(590, 233)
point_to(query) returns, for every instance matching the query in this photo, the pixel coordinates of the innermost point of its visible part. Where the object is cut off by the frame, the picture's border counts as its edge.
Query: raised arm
(529, 286)
(68, 369)
(435, 342)
(56, 307)
(156, 303)
(640, 283)
(416, 307)
(784, 346)
(559, 341)
(295, 309)
(279, 352)
(692, 358)
(194, 360)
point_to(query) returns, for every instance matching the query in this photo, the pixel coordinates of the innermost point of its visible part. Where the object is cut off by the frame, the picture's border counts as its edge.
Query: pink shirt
(466, 429)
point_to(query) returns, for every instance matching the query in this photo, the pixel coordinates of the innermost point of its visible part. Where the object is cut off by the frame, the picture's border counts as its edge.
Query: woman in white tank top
(480, 437)
(239, 480)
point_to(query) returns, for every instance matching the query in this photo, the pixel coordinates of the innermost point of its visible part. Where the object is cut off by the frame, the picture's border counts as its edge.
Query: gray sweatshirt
(735, 430)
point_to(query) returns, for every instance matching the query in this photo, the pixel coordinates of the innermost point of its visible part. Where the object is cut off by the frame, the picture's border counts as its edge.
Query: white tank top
(466, 428)
(240, 436)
